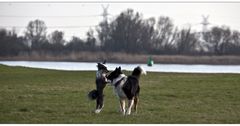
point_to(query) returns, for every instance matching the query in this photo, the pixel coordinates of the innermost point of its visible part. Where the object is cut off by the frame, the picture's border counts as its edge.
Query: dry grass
(129, 58)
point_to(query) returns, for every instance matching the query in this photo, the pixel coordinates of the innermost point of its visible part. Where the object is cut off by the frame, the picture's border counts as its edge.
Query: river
(89, 66)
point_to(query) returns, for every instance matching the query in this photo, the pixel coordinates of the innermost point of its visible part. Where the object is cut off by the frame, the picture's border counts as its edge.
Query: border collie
(101, 82)
(126, 88)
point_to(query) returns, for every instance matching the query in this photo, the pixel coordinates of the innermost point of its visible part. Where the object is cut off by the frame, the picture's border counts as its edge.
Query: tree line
(129, 32)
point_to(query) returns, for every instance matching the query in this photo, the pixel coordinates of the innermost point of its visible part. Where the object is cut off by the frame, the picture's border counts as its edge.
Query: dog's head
(138, 71)
(114, 74)
(101, 66)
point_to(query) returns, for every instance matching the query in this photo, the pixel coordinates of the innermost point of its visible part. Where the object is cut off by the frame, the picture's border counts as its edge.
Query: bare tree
(125, 32)
(91, 40)
(36, 33)
(186, 41)
(147, 35)
(11, 44)
(220, 36)
(164, 33)
(103, 31)
(232, 46)
(56, 37)
(75, 45)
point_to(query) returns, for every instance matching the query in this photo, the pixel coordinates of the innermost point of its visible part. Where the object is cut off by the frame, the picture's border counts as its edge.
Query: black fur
(101, 82)
(131, 87)
(100, 85)
(114, 74)
(137, 72)
(101, 66)
(92, 95)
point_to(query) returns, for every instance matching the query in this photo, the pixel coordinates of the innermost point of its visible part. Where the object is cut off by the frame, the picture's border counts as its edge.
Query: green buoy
(150, 61)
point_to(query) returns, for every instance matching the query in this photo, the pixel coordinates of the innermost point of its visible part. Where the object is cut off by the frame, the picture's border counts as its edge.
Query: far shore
(129, 58)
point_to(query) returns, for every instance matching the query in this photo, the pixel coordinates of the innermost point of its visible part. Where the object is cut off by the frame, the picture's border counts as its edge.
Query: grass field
(48, 96)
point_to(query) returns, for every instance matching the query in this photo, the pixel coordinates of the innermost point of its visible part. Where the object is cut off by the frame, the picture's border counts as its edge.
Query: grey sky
(84, 15)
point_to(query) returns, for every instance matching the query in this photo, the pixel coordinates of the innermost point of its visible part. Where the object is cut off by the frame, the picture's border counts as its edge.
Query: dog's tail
(92, 95)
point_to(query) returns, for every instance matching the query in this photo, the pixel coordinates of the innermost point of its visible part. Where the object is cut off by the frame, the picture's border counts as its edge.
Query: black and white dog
(101, 82)
(126, 88)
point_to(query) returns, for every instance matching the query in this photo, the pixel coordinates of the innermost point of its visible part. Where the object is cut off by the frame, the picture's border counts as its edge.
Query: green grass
(48, 96)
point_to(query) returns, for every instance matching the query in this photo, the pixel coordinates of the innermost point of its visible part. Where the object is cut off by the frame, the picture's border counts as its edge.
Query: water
(84, 66)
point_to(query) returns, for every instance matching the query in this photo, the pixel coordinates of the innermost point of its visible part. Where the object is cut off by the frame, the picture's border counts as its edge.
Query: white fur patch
(118, 79)
(118, 90)
(143, 71)
(100, 74)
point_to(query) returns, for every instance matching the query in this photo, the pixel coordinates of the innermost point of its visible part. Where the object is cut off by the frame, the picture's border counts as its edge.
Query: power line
(21, 16)
(126, 1)
(51, 27)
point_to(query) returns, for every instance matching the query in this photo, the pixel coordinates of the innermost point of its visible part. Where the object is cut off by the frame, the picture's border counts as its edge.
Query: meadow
(34, 96)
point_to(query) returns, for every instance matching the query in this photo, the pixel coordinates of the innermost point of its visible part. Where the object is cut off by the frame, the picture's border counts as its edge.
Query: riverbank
(128, 58)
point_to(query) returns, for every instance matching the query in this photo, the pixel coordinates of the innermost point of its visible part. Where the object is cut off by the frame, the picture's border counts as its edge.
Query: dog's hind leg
(136, 100)
(130, 104)
(99, 104)
(99, 101)
(122, 106)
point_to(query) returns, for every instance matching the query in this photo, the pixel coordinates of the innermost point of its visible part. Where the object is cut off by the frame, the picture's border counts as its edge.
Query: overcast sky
(76, 18)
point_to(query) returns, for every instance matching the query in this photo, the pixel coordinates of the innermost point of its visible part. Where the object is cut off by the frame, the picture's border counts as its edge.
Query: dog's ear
(98, 65)
(104, 62)
(119, 68)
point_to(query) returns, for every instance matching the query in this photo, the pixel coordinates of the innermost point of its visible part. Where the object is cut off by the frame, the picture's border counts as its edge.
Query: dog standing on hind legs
(126, 88)
(101, 82)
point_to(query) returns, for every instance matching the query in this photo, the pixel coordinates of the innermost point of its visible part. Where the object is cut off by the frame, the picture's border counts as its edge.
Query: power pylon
(105, 12)
(205, 23)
